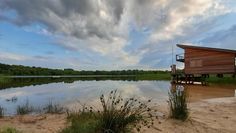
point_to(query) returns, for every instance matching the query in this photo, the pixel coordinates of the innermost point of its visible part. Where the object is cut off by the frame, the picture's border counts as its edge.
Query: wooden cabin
(204, 60)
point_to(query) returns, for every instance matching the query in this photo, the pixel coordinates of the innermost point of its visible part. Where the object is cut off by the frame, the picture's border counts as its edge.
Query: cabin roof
(206, 48)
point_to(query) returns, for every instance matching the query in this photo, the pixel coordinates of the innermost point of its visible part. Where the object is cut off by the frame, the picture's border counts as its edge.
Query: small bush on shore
(1, 111)
(178, 103)
(24, 109)
(117, 115)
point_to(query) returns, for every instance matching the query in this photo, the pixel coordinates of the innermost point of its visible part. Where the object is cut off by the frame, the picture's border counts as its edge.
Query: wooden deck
(188, 79)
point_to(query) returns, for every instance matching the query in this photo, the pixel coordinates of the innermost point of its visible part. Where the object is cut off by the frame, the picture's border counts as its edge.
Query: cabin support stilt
(188, 79)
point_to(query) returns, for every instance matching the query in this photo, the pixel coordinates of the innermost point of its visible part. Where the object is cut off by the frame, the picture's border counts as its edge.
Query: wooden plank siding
(203, 61)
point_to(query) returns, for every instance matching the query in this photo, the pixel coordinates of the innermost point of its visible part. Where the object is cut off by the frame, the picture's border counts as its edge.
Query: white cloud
(5, 56)
(103, 27)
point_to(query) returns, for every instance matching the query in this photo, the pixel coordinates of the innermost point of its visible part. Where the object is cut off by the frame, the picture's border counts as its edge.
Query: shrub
(178, 103)
(117, 115)
(1, 111)
(24, 109)
(53, 108)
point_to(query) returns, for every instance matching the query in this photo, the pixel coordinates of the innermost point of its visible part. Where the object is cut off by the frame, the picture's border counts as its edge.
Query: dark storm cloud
(79, 18)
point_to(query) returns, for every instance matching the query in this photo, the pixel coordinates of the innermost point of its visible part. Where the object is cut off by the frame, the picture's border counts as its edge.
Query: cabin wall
(208, 62)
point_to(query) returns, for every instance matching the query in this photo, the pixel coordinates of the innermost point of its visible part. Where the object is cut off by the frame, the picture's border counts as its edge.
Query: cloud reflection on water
(69, 94)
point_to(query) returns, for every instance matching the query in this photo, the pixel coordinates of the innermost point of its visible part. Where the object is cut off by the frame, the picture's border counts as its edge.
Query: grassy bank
(4, 79)
(159, 76)
(228, 79)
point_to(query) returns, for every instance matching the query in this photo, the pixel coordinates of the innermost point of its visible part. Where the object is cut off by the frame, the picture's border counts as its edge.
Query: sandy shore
(206, 116)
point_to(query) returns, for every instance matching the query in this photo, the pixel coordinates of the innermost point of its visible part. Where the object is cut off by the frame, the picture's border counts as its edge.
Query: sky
(111, 34)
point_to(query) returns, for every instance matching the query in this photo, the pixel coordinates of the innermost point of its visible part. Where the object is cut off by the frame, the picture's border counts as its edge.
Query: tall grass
(53, 108)
(24, 109)
(117, 115)
(1, 111)
(178, 103)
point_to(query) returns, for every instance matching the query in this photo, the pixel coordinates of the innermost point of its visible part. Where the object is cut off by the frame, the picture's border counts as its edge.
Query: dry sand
(206, 116)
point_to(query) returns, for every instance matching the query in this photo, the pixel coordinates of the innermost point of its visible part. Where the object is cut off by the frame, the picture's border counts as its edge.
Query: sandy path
(207, 116)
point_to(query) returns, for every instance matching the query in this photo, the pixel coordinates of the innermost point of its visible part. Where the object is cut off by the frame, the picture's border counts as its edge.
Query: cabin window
(235, 61)
(196, 63)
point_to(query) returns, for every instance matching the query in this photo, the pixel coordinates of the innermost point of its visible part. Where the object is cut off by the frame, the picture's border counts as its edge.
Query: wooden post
(173, 69)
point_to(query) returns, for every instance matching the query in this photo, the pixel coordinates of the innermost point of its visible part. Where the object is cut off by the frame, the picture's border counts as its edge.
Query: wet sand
(199, 92)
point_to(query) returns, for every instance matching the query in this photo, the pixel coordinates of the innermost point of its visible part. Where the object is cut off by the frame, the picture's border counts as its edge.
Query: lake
(68, 91)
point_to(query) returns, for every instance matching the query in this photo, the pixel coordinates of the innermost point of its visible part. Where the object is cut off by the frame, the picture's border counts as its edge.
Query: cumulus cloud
(182, 21)
(103, 27)
(39, 60)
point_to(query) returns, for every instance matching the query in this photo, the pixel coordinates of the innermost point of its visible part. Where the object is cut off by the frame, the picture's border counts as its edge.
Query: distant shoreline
(66, 76)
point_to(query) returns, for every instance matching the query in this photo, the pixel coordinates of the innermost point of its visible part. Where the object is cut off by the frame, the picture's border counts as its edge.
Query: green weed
(178, 103)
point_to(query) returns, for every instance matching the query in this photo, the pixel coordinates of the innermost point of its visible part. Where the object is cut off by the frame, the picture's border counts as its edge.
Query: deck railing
(180, 57)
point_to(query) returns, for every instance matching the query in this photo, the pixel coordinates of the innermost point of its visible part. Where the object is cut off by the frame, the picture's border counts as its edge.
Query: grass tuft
(178, 103)
(1, 111)
(24, 109)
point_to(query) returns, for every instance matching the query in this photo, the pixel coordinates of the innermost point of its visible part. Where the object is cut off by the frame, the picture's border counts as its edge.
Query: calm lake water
(68, 91)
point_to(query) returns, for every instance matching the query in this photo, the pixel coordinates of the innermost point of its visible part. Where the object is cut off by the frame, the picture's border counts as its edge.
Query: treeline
(26, 70)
